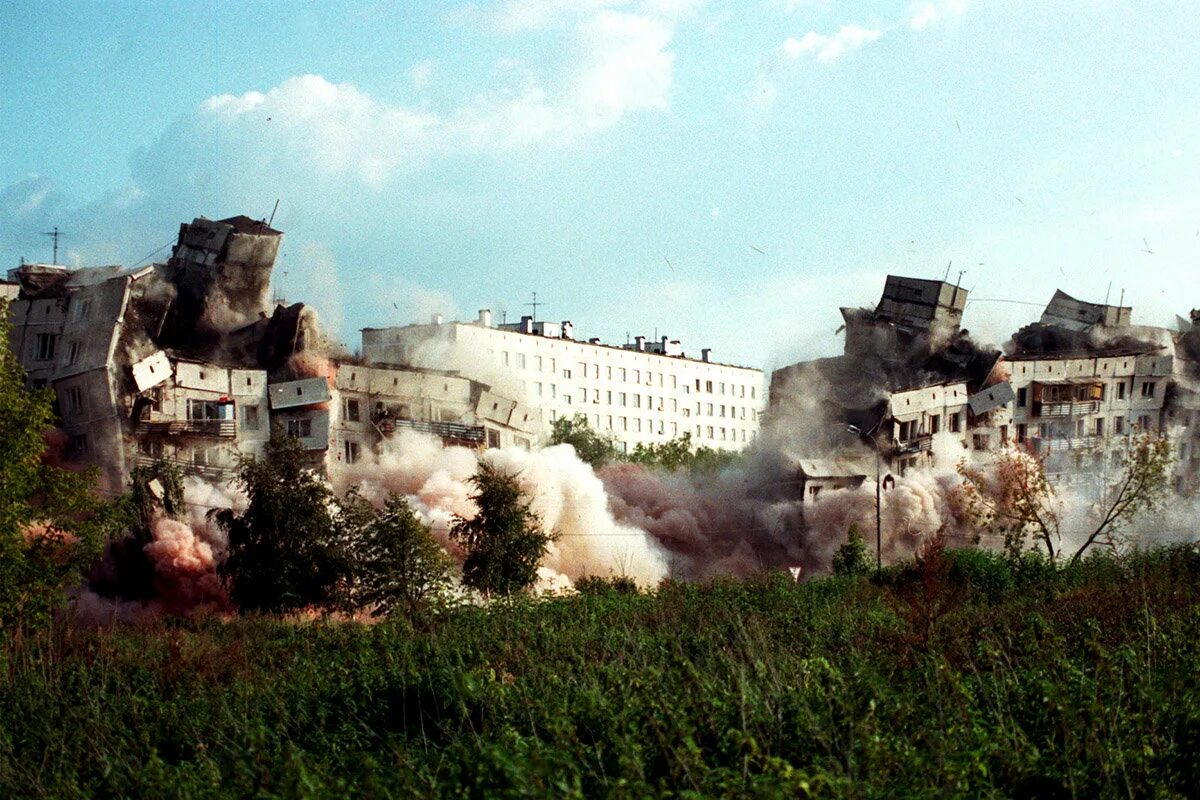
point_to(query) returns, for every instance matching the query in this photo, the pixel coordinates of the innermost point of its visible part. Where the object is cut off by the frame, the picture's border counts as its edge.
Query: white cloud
(924, 13)
(830, 48)
(420, 74)
(515, 16)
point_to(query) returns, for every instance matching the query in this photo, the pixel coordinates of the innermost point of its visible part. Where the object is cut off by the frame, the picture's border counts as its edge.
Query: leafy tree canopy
(504, 541)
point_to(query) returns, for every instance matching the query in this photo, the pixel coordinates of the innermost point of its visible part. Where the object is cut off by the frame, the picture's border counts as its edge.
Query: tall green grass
(958, 676)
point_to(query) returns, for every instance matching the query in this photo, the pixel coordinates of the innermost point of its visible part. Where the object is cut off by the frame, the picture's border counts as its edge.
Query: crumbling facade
(646, 392)
(1072, 387)
(189, 362)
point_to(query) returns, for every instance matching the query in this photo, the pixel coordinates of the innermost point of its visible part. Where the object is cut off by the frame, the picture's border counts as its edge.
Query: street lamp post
(878, 497)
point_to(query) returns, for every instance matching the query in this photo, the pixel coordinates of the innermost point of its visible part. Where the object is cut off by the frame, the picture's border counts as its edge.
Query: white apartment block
(1075, 411)
(642, 393)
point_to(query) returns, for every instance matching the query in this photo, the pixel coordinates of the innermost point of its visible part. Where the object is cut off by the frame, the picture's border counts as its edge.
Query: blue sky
(626, 159)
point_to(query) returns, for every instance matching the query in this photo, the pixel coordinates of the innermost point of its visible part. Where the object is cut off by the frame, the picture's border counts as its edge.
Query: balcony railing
(1075, 408)
(223, 428)
(473, 434)
(212, 471)
(920, 444)
(1073, 443)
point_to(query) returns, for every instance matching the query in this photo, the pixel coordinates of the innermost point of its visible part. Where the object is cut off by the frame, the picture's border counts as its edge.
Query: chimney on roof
(485, 317)
(706, 354)
(437, 319)
(526, 324)
(568, 330)
(594, 340)
(639, 343)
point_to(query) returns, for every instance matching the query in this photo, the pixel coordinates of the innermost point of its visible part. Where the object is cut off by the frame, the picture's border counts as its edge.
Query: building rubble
(913, 387)
(191, 362)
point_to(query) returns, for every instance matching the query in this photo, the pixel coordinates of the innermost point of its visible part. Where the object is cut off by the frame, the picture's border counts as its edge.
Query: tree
(591, 446)
(398, 566)
(288, 549)
(1014, 497)
(52, 524)
(504, 541)
(851, 558)
(1140, 488)
(677, 454)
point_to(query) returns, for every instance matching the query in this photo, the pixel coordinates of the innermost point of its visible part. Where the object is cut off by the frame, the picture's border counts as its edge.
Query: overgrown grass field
(960, 675)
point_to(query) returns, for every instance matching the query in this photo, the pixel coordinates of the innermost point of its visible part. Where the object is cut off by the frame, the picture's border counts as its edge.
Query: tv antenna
(54, 234)
(535, 305)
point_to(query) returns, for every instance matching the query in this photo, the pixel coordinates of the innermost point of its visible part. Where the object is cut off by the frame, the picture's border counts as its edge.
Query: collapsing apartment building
(188, 361)
(914, 387)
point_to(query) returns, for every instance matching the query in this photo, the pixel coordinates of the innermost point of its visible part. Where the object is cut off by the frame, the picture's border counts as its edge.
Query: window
(908, 430)
(351, 451)
(620, 398)
(1121, 390)
(1022, 396)
(505, 354)
(299, 428)
(596, 396)
(955, 423)
(1119, 424)
(537, 388)
(353, 413)
(1003, 435)
(708, 386)
(608, 398)
(73, 353)
(79, 445)
(637, 401)
(813, 491)
(45, 346)
(637, 376)
(493, 438)
(1100, 426)
(250, 418)
(75, 399)
(520, 361)
(1144, 422)
(722, 410)
(709, 431)
(81, 310)
(709, 409)
(622, 373)
(980, 441)
(1148, 389)
(200, 410)
(537, 363)
(935, 423)
(1079, 427)
(1021, 433)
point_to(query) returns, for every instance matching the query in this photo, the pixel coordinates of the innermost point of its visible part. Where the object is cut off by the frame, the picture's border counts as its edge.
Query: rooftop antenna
(948, 263)
(273, 210)
(54, 234)
(1107, 292)
(535, 305)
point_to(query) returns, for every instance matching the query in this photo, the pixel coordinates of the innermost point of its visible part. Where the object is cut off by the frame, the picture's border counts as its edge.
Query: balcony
(1075, 408)
(1074, 443)
(210, 471)
(920, 444)
(450, 431)
(219, 428)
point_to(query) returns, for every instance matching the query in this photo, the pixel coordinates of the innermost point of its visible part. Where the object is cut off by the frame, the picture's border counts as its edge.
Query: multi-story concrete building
(640, 393)
(909, 384)
(1085, 379)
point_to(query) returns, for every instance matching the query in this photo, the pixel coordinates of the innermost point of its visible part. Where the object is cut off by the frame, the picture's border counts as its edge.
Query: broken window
(980, 441)
(493, 438)
(351, 451)
(299, 428)
(1144, 422)
(1021, 433)
(75, 399)
(45, 346)
(1148, 389)
(1121, 390)
(200, 410)
(1100, 426)
(1022, 396)
(955, 423)
(935, 422)
(353, 413)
